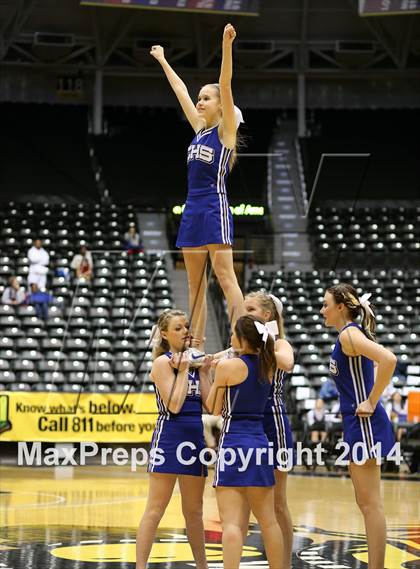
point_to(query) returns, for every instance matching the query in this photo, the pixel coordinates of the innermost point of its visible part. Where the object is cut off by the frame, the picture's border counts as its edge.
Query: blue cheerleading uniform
(243, 410)
(354, 378)
(173, 429)
(277, 426)
(207, 218)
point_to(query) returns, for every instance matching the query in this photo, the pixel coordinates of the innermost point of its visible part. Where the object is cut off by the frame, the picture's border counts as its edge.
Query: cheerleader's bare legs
(192, 490)
(366, 480)
(234, 504)
(161, 487)
(221, 257)
(283, 516)
(195, 259)
(222, 262)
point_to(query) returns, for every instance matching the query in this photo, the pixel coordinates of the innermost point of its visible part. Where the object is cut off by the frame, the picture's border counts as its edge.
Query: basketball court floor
(86, 517)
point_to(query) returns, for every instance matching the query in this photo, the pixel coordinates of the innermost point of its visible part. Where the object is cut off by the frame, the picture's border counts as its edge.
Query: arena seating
(353, 242)
(97, 333)
(365, 237)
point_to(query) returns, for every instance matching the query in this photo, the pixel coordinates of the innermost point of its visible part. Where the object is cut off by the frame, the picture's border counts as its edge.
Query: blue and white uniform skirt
(166, 454)
(206, 220)
(257, 472)
(370, 437)
(279, 433)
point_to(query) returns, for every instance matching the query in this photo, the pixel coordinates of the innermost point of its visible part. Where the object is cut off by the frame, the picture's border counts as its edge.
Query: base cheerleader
(179, 393)
(242, 386)
(269, 308)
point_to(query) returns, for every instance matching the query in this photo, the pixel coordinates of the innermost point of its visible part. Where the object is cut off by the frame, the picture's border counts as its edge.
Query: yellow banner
(72, 417)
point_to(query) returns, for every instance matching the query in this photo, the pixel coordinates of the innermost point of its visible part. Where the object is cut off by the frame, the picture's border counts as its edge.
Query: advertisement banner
(74, 417)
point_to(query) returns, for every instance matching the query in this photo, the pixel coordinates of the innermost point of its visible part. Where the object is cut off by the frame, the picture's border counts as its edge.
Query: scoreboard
(242, 7)
(388, 7)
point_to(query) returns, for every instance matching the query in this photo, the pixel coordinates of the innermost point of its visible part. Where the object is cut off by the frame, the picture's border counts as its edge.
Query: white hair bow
(155, 336)
(239, 116)
(268, 329)
(364, 302)
(277, 303)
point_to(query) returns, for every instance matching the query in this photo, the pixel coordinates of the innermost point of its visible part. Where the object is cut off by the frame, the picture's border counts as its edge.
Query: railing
(301, 174)
(254, 249)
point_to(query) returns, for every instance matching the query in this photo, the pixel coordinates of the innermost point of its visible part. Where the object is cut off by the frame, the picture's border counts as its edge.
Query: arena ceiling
(290, 37)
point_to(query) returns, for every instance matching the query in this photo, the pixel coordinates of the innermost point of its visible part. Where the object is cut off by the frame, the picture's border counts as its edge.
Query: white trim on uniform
(226, 207)
(158, 432)
(219, 169)
(358, 398)
(278, 411)
(368, 421)
(280, 429)
(222, 217)
(221, 190)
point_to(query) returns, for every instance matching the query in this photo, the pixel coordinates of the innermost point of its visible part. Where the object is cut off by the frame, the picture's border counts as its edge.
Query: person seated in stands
(328, 390)
(398, 412)
(82, 264)
(13, 294)
(40, 300)
(132, 241)
(38, 265)
(316, 422)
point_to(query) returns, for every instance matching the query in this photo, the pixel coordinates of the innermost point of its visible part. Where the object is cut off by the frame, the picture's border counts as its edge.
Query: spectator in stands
(82, 264)
(13, 294)
(387, 397)
(328, 390)
(38, 268)
(40, 300)
(132, 241)
(316, 422)
(398, 412)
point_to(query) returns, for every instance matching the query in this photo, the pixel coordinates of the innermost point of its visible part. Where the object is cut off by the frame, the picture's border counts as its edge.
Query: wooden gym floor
(86, 517)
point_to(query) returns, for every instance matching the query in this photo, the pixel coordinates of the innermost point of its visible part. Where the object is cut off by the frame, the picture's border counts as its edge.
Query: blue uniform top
(244, 404)
(353, 376)
(208, 163)
(191, 410)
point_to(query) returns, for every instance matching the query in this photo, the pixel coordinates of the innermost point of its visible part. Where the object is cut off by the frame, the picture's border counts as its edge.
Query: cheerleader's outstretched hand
(229, 34)
(158, 52)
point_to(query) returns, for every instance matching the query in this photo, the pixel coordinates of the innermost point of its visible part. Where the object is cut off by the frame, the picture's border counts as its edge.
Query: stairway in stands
(179, 290)
(153, 233)
(288, 201)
